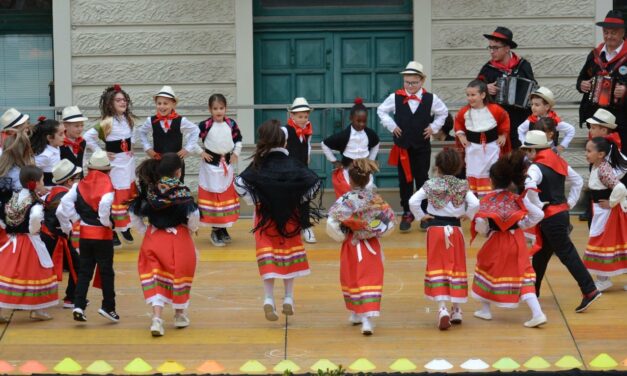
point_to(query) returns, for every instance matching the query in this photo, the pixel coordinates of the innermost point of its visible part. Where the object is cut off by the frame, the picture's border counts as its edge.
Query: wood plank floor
(228, 323)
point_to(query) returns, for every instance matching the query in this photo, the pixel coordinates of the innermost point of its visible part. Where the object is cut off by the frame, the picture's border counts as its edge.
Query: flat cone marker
(99, 366)
(210, 366)
(505, 364)
(402, 365)
(6, 367)
(170, 367)
(537, 362)
(438, 365)
(286, 365)
(138, 365)
(568, 361)
(603, 361)
(33, 366)
(252, 366)
(474, 365)
(323, 365)
(362, 365)
(68, 365)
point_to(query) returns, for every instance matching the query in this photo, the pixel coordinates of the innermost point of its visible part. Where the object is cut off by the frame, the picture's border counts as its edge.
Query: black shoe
(406, 221)
(111, 315)
(116, 240)
(127, 236)
(225, 236)
(424, 225)
(587, 300)
(584, 217)
(79, 315)
(216, 238)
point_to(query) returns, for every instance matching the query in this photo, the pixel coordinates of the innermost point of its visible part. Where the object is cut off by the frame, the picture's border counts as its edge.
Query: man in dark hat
(504, 62)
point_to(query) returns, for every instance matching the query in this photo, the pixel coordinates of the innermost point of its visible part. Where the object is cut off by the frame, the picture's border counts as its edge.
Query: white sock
(534, 304)
(364, 320)
(456, 307)
(485, 307)
(289, 287)
(268, 288)
(442, 304)
(602, 278)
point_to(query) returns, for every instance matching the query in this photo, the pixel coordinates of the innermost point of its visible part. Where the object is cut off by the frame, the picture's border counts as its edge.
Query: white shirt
(219, 139)
(189, 130)
(357, 147)
(479, 120)
(449, 210)
(48, 158)
(534, 178)
(563, 127)
(66, 211)
(610, 55)
(438, 110)
(120, 130)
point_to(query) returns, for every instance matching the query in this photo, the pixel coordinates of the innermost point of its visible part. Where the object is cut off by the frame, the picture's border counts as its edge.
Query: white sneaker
(181, 321)
(156, 328)
(288, 306)
(536, 321)
(366, 327)
(456, 317)
(354, 319)
(269, 311)
(603, 285)
(308, 235)
(444, 319)
(483, 315)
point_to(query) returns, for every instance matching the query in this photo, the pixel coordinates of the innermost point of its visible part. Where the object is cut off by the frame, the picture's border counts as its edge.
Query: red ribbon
(615, 139)
(75, 145)
(124, 146)
(301, 132)
(166, 119)
(398, 153)
(31, 185)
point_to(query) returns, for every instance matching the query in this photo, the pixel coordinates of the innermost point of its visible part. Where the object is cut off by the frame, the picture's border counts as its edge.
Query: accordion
(601, 92)
(514, 91)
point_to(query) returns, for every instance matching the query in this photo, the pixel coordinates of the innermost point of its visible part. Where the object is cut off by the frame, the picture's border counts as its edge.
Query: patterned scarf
(168, 191)
(166, 119)
(444, 189)
(74, 145)
(15, 211)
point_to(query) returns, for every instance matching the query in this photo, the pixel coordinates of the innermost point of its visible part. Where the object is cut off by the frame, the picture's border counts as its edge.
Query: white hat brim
(536, 146)
(22, 120)
(76, 120)
(77, 171)
(597, 122)
(301, 109)
(165, 96)
(548, 100)
(99, 168)
(417, 73)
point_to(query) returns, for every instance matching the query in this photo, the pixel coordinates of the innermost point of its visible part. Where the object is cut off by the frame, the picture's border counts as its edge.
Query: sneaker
(406, 221)
(587, 300)
(111, 315)
(366, 327)
(270, 312)
(181, 321)
(79, 314)
(603, 285)
(483, 315)
(584, 217)
(216, 240)
(354, 319)
(226, 238)
(308, 235)
(288, 306)
(40, 315)
(116, 240)
(127, 236)
(67, 303)
(456, 317)
(444, 320)
(156, 328)
(4, 319)
(424, 225)
(536, 321)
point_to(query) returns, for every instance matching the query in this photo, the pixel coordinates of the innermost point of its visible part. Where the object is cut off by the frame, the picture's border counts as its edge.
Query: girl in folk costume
(64, 174)
(356, 141)
(482, 129)
(222, 144)
(29, 282)
(606, 253)
(167, 258)
(357, 219)
(503, 273)
(280, 187)
(11, 122)
(168, 129)
(47, 138)
(449, 201)
(73, 148)
(115, 130)
(17, 153)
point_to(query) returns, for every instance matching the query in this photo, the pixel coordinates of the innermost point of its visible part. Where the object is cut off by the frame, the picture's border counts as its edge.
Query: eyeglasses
(494, 48)
(412, 83)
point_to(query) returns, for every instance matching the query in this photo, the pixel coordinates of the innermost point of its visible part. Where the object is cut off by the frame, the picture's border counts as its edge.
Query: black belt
(443, 221)
(346, 161)
(475, 137)
(217, 157)
(598, 195)
(116, 146)
(494, 227)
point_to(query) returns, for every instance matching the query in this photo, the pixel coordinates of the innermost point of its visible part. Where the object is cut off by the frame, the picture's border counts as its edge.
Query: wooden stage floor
(228, 325)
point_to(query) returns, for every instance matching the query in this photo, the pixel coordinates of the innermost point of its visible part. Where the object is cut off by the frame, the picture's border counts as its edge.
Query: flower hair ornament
(31, 185)
(41, 119)
(359, 100)
(117, 88)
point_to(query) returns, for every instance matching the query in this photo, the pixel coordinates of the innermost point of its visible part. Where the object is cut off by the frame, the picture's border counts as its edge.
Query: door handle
(328, 58)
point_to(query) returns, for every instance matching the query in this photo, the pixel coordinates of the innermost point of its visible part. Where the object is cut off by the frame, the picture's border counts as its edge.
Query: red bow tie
(75, 145)
(410, 97)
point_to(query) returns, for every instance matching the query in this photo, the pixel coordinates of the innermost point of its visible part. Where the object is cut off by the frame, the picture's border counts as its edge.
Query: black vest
(87, 214)
(48, 179)
(21, 228)
(170, 142)
(412, 125)
(296, 148)
(67, 153)
(50, 213)
(552, 186)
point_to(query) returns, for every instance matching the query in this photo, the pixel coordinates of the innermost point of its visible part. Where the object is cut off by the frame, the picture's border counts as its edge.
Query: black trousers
(51, 243)
(419, 163)
(555, 239)
(96, 253)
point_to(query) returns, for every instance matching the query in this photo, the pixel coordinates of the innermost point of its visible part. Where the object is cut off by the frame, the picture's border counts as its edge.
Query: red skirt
(24, 283)
(218, 209)
(280, 257)
(503, 273)
(606, 254)
(446, 278)
(361, 276)
(119, 209)
(167, 263)
(340, 185)
(480, 186)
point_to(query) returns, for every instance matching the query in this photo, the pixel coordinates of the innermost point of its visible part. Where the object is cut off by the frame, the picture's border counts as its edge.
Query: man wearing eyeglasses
(417, 114)
(504, 62)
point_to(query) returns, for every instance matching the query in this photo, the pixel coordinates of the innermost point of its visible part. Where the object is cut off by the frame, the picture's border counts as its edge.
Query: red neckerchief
(550, 159)
(408, 97)
(514, 60)
(166, 124)
(551, 115)
(74, 145)
(596, 53)
(301, 132)
(504, 208)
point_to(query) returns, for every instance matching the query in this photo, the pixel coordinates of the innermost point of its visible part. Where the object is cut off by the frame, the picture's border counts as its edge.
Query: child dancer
(217, 199)
(503, 273)
(356, 141)
(64, 174)
(28, 280)
(91, 200)
(73, 148)
(299, 131)
(358, 219)
(606, 253)
(167, 258)
(482, 129)
(116, 131)
(542, 103)
(281, 188)
(11, 122)
(168, 129)
(449, 201)
(47, 137)
(17, 153)
(548, 173)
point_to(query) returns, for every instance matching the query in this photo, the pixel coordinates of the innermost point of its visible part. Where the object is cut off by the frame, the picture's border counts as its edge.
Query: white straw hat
(99, 161)
(12, 118)
(536, 140)
(603, 118)
(72, 114)
(166, 92)
(300, 104)
(544, 93)
(414, 67)
(64, 170)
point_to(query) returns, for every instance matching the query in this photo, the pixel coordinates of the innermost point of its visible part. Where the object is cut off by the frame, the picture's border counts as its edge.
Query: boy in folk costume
(64, 174)
(168, 129)
(91, 201)
(548, 173)
(73, 148)
(417, 114)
